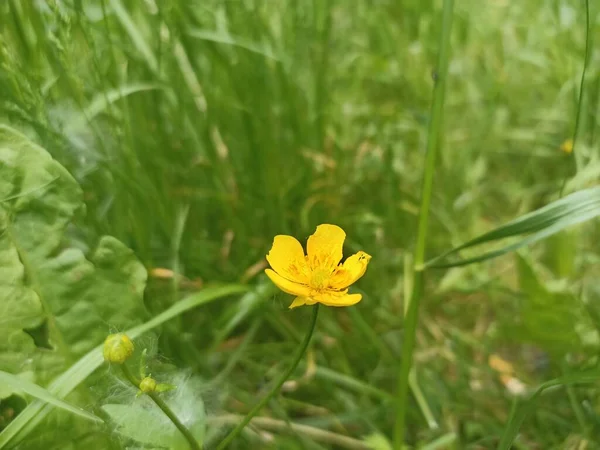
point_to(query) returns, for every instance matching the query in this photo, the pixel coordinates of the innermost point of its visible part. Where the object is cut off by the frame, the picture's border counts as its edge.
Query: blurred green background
(201, 129)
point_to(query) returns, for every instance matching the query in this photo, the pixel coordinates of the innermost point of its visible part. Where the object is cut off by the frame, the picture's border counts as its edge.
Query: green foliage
(57, 301)
(20, 385)
(55, 298)
(25, 424)
(520, 413)
(144, 423)
(553, 319)
(535, 226)
(198, 130)
(54, 287)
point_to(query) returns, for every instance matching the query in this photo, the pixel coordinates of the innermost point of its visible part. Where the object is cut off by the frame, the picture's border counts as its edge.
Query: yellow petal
(348, 273)
(298, 301)
(337, 298)
(286, 285)
(287, 259)
(324, 247)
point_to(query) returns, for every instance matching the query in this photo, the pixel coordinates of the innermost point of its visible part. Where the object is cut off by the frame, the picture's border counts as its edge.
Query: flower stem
(433, 143)
(284, 376)
(576, 406)
(165, 409)
(581, 102)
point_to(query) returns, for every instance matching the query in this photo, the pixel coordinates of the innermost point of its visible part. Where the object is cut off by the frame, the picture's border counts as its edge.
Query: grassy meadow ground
(199, 130)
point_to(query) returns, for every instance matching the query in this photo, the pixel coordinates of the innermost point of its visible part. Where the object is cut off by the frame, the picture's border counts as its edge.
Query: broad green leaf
(53, 299)
(19, 384)
(145, 423)
(535, 226)
(39, 194)
(26, 422)
(56, 303)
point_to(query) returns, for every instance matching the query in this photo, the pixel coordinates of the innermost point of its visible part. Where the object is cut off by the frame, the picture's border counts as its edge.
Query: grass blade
(135, 35)
(19, 384)
(100, 102)
(546, 221)
(227, 39)
(433, 143)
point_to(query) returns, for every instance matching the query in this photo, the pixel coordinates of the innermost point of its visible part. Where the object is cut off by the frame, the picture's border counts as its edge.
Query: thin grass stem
(433, 143)
(580, 103)
(586, 63)
(576, 406)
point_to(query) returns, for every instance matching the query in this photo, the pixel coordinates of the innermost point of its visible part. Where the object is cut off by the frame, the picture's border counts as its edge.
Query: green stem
(284, 376)
(586, 63)
(171, 415)
(165, 409)
(579, 414)
(412, 315)
(413, 383)
(580, 102)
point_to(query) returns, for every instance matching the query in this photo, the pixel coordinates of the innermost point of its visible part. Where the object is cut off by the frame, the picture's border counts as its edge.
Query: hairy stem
(165, 409)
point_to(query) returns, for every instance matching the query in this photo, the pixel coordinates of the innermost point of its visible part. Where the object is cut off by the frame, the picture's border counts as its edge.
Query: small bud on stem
(148, 385)
(118, 348)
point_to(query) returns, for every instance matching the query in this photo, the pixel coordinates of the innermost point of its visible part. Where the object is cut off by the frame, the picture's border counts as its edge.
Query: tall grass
(434, 142)
(199, 130)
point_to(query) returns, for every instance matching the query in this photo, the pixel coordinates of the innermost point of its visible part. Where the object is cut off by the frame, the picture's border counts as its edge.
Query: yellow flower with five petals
(318, 276)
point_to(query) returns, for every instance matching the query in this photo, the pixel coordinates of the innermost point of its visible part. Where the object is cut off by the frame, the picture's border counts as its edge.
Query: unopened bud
(118, 348)
(148, 385)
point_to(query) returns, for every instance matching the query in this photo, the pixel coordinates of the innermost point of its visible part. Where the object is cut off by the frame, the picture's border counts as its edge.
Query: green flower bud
(118, 348)
(148, 385)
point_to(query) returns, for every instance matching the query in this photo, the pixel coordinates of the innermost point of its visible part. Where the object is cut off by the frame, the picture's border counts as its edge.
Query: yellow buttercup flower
(318, 276)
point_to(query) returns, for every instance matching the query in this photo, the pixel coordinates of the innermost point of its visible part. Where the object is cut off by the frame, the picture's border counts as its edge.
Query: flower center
(320, 278)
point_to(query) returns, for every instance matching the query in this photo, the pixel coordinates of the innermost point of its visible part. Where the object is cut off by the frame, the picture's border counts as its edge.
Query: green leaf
(145, 423)
(37, 194)
(535, 226)
(55, 303)
(62, 386)
(19, 384)
(53, 299)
